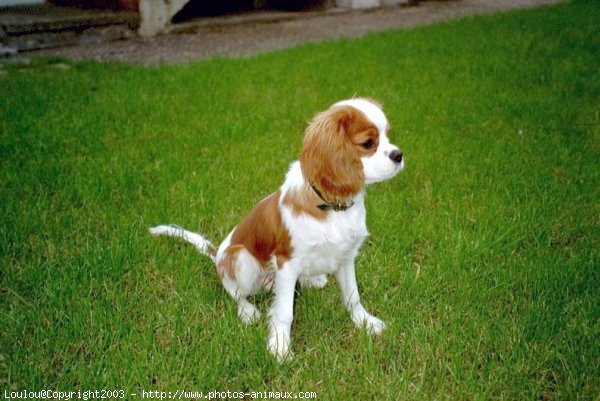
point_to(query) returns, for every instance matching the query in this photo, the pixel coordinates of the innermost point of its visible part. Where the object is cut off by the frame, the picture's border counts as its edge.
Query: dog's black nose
(396, 156)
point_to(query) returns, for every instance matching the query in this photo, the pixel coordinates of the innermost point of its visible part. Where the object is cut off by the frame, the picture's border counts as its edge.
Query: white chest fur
(319, 246)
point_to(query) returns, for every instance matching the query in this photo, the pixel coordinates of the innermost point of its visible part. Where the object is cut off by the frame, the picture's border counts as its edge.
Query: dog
(313, 225)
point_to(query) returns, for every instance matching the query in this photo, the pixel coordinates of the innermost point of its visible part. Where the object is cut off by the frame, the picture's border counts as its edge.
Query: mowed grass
(483, 257)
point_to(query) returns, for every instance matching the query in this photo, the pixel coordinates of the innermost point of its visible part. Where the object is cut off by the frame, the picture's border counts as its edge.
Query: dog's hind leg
(242, 276)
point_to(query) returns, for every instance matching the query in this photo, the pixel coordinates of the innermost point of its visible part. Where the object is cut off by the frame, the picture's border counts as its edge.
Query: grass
(483, 257)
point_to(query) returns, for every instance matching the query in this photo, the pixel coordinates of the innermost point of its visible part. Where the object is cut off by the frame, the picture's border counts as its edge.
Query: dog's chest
(326, 258)
(320, 247)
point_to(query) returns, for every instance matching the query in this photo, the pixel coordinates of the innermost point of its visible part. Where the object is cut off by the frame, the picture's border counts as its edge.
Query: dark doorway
(203, 8)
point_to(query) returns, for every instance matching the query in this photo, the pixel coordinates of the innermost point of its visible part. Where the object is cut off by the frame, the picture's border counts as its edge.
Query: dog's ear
(329, 159)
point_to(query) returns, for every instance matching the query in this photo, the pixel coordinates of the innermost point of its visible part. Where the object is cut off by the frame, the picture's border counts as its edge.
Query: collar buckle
(336, 207)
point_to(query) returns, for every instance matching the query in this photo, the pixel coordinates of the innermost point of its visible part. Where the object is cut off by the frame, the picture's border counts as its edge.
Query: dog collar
(336, 207)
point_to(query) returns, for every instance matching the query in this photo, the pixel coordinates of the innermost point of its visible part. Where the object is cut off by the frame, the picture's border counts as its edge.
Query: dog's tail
(203, 245)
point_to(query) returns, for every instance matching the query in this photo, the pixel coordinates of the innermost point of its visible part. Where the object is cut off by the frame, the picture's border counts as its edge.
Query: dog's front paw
(279, 347)
(248, 313)
(319, 281)
(374, 325)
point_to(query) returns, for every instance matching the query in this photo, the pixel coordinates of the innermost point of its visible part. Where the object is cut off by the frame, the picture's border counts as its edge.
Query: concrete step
(43, 26)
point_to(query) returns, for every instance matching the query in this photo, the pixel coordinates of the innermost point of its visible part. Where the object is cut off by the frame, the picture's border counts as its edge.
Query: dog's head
(346, 147)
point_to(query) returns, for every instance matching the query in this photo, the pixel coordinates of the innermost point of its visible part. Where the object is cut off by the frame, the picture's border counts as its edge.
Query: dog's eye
(368, 144)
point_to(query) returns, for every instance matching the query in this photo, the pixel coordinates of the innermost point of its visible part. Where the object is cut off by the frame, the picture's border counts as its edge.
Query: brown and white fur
(313, 225)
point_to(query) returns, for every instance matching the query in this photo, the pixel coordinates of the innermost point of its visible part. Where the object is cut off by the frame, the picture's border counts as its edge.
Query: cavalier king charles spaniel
(313, 225)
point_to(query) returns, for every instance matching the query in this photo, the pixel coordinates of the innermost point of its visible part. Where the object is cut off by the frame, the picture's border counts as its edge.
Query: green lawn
(484, 254)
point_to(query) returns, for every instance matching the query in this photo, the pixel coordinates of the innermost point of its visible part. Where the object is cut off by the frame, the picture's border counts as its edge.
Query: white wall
(358, 3)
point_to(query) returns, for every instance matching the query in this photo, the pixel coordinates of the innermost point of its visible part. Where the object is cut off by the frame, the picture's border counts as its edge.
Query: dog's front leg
(346, 279)
(282, 311)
